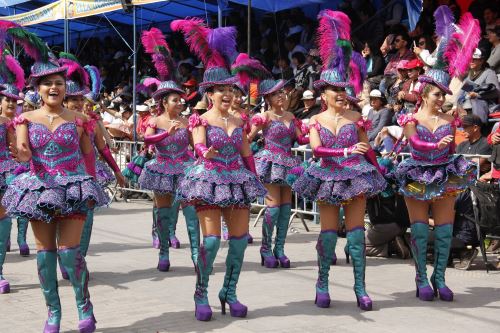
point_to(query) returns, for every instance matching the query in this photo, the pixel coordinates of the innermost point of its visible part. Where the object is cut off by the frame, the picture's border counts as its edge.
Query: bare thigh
(237, 219)
(354, 213)
(273, 197)
(417, 210)
(328, 216)
(443, 210)
(210, 221)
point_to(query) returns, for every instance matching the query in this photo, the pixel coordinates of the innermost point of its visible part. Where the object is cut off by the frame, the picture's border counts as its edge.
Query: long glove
(331, 152)
(106, 154)
(155, 138)
(421, 145)
(250, 163)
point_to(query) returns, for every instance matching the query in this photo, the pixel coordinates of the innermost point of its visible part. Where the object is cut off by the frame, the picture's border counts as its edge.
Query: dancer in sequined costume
(432, 177)
(222, 182)
(347, 172)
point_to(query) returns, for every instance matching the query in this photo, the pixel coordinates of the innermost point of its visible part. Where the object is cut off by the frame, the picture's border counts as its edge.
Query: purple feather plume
(444, 20)
(332, 27)
(224, 41)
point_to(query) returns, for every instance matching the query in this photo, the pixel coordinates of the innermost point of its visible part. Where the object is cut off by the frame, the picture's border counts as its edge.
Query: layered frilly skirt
(104, 174)
(423, 180)
(204, 184)
(329, 182)
(273, 168)
(7, 167)
(45, 197)
(162, 176)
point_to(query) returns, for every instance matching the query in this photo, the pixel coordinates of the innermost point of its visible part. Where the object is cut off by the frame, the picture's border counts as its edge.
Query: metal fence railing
(125, 150)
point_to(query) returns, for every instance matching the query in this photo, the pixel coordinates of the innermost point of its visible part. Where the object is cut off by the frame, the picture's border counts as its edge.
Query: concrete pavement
(130, 295)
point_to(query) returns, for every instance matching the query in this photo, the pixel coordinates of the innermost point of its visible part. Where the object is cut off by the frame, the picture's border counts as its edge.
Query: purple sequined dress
(223, 180)
(7, 164)
(275, 160)
(336, 180)
(431, 174)
(163, 173)
(57, 184)
(104, 175)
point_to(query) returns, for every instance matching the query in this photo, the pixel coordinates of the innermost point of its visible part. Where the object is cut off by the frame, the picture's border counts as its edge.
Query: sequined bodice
(173, 146)
(55, 152)
(426, 135)
(278, 137)
(4, 152)
(228, 146)
(346, 136)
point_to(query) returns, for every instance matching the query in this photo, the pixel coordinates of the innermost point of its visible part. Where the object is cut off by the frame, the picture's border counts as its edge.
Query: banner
(84, 8)
(51, 12)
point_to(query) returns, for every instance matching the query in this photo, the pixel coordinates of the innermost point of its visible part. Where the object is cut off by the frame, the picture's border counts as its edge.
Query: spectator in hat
(191, 95)
(475, 142)
(311, 106)
(480, 90)
(379, 115)
(142, 120)
(407, 94)
(494, 59)
(395, 85)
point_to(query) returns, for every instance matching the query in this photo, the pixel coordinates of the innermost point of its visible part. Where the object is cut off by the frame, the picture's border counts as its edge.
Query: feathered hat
(455, 49)
(45, 62)
(32, 98)
(77, 78)
(196, 34)
(95, 84)
(334, 34)
(155, 44)
(11, 77)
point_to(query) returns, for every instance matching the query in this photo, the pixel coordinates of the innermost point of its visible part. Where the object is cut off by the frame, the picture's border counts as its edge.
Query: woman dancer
(280, 129)
(431, 178)
(347, 172)
(169, 133)
(56, 193)
(12, 78)
(222, 181)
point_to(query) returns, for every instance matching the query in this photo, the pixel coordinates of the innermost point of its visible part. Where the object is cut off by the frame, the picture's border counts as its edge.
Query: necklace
(336, 117)
(54, 116)
(436, 119)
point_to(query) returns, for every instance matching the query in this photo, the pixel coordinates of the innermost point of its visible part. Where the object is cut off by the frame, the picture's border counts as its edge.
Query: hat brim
(161, 92)
(208, 84)
(9, 95)
(430, 80)
(275, 88)
(318, 84)
(78, 93)
(353, 99)
(36, 77)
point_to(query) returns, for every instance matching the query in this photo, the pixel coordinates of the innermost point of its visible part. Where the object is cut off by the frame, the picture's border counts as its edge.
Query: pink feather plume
(462, 45)
(333, 25)
(196, 35)
(151, 81)
(75, 71)
(249, 70)
(155, 44)
(153, 39)
(17, 71)
(355, 78)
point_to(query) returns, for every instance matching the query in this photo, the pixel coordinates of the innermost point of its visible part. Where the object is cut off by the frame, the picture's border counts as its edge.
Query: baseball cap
(308, 94)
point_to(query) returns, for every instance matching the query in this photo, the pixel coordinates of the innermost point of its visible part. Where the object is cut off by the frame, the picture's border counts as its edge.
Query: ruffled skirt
(45, 198)
(337, 186)
(273, 168)
(162, 177)
(422, 180)
(104, 174)
(6, 168)
(219, 187)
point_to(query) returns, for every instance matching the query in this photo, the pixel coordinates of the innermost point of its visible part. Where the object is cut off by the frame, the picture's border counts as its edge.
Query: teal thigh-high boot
(356, 245)
(86, 232)
(154, 229)
(75, 265)
(163, 221)
(5, 227)
(271, 217)
(47, 274)
(204, 265)
(193, 229)
(324, 247)
(281, 232)
(442, 243)
(174, 241)
(22, 228)
(418, 245)
(234, 262)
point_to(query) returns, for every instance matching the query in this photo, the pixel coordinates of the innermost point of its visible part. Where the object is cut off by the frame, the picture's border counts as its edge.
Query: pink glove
(250, 163)
(421, 145)
(89, 162)
(302, 140)
(155, 138)
(106, 154)
(331, 152)
(372, 159)
(200, 149)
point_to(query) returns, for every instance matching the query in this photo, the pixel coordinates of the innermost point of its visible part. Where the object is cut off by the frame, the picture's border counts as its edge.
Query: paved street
(130, 295)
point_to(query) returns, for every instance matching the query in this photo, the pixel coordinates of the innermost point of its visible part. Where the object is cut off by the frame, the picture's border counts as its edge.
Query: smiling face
(222, 97)
(433, 97)
(87, 106)
(9, 106)
(276, 99)
(334, 97)
(74, 103)
(237, 99)
(51, 89)
(172, 103)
